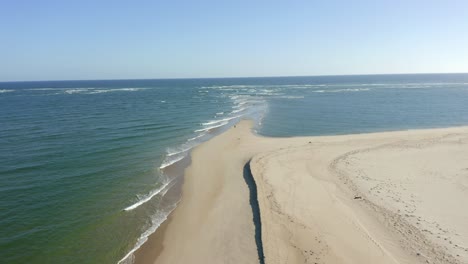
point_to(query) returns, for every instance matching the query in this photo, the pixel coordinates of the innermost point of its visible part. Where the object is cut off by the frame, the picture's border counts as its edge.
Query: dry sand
(392, 197)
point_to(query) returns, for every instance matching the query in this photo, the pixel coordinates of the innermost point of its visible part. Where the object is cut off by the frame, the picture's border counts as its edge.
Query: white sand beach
(391, 197)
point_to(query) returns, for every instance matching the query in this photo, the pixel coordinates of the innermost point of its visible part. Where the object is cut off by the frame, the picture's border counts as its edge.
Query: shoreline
(213, 222)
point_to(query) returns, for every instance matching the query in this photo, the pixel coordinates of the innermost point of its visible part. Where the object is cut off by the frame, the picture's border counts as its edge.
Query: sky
(74, 40)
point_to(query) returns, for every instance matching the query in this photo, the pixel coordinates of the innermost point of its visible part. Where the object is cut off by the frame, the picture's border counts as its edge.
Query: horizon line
(234, 77)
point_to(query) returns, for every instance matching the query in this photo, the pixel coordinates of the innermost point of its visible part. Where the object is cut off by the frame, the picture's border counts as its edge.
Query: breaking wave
(343, 90)
(156, 221)
(100, 90)
(6, 91)
(149, 196)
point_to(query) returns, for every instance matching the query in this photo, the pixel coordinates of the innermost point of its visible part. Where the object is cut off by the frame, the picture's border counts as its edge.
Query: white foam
(234, 97)
(239, 110)
(230, 87)
(173, 152)
(148, 197)
(156, 221)
(211, 127)
(220, 113)
(100, 90)
(6, 91)
(239, 103)
(45, 89)
(77, 90)
(291, 97)
(97, 91)
(196, 137)
(342, 90)
(168, 163)
(300, 86)
(220, 121)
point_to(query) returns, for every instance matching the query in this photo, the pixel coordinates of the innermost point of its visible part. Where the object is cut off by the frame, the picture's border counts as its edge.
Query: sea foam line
(196, 137)
(239, 110)
(99, 90)
(144, 237)
(6, 91)
(147, 198)
(342, 90)
(211, 127)
(179, 151)
(170, 162)
(220, 120)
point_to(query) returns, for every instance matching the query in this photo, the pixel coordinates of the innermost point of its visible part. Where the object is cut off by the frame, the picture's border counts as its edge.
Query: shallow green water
(85, 165)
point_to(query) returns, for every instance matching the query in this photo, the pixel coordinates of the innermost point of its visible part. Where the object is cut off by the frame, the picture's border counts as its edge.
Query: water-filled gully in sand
(249, 180)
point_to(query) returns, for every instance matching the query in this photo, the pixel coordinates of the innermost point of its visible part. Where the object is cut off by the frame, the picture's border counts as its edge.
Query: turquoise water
(88, 169)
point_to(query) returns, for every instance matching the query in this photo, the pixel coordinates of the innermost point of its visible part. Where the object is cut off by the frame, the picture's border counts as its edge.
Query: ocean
(89, 169)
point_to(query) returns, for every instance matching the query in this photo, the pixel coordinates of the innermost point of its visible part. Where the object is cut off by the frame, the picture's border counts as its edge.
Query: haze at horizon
(52, 40)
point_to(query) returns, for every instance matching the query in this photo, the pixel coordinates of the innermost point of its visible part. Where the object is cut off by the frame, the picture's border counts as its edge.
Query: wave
(211, 127)
(302, 85)
(291, 97)
(148, 197)
(398, 85)
(239, 110)
(100, 90)
(156, 221)
(220, 120)
(87, 90)
(169, 162)
(6, 91)
(240, 102)
(77, 90)
(237, 106)
(227, 87)
(234, 97)
(265, 89)
(173, 152)
(117, 90)
(196, 137)
(45, 89)
(342, 90)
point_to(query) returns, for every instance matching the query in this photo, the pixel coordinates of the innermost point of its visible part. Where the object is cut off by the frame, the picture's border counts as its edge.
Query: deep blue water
(85, 165)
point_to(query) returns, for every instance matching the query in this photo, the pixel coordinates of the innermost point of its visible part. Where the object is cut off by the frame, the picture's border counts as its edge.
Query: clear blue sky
(58, 40)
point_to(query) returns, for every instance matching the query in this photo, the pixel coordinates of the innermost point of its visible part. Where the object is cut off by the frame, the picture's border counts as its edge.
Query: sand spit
(392, 197)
